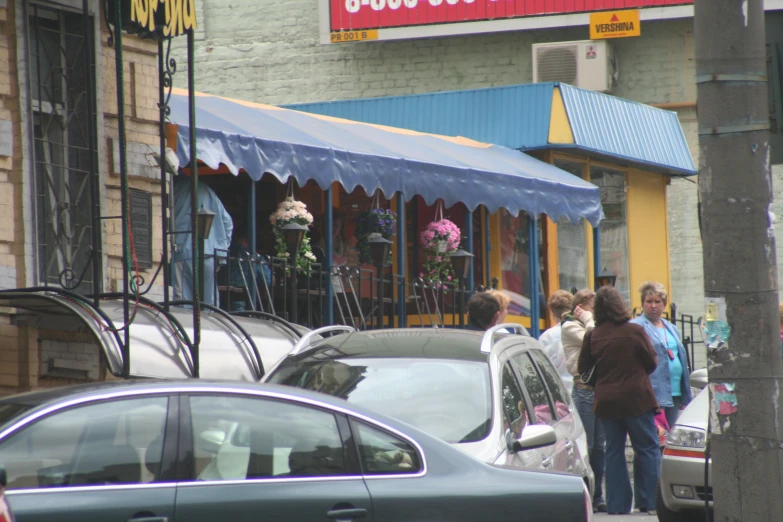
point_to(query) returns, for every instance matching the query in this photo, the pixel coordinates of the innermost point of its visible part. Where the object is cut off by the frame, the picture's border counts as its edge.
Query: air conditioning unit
(588, 64)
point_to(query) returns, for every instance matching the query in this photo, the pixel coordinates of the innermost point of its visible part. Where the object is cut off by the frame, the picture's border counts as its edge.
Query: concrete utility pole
(740, 269)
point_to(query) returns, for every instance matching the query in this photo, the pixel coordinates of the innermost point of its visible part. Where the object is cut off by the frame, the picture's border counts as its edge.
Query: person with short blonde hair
(653, 288)
(670, 380)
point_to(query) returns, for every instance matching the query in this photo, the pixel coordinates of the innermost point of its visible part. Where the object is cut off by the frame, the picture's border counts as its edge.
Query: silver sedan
(682, 495)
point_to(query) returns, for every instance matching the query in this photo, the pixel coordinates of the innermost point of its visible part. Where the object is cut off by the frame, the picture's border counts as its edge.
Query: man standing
(219, 238)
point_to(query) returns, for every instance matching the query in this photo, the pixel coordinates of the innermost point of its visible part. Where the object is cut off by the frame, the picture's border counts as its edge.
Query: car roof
(424, 343)
(51, 397)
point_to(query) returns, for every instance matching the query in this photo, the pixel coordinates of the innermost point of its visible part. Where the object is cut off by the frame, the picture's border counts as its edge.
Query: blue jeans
(644, 439)
(672, 412)
(583, 399)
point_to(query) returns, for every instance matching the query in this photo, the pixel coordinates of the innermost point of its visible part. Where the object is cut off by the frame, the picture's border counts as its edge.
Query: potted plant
(439, 239)
(380, 221)
(291, 211)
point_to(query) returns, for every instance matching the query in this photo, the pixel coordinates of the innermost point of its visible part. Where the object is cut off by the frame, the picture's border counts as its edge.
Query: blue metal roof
(493, 113)
(627, 130)
(260, 138)
(518, 117)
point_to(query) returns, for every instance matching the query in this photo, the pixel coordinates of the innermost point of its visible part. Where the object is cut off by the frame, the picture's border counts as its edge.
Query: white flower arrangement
(291, 211)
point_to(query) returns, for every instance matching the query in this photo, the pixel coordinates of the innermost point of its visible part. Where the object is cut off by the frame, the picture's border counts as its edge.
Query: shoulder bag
(589, 377)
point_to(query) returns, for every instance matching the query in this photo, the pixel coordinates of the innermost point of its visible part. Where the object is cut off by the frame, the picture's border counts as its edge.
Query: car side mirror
(533, 436)
(699, 378)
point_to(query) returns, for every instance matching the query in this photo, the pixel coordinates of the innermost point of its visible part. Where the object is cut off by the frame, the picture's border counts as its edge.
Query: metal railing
(252, 283)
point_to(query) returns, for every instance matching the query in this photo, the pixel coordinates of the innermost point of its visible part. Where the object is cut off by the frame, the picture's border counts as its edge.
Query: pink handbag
(662, 425)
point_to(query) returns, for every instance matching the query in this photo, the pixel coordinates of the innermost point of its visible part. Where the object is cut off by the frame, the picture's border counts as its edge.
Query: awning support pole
(469, 248)
(596, 250)
(251, 217)
(487, 248)
(123, 188)
(164, 177)
(401, 251)
(329, 254)
(194, 207)
(533, 265)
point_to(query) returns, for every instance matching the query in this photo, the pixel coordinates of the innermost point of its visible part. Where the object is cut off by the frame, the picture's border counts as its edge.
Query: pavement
(633, 517)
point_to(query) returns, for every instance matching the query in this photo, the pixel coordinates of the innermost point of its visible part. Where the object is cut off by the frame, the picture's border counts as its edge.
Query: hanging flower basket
(370, 222)
(291, 211)
(438, 240)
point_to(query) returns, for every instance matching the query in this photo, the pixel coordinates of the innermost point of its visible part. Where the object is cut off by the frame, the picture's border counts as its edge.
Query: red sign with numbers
(347, 15)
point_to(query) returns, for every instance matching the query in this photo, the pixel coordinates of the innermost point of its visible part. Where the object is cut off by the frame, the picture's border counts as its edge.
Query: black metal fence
(248, 283)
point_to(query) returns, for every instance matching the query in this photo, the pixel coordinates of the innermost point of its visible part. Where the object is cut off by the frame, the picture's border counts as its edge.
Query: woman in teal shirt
(670, 381)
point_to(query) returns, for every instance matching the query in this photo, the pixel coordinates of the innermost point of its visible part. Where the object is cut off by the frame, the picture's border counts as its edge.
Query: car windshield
(446, 398)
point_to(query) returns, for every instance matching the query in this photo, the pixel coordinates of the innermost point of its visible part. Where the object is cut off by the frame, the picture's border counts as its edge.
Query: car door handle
(348, 513)
(149, 519)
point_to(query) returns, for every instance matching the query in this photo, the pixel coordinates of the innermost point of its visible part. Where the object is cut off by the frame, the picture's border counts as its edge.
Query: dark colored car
(202, 451)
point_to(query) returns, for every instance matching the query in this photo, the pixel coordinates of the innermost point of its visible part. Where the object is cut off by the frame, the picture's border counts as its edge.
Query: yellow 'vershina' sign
(615, 24)
(180, 15)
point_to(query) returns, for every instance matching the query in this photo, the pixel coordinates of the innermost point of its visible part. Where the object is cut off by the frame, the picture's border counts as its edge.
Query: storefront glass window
(572, 242)
(515, 261)
(614, 227)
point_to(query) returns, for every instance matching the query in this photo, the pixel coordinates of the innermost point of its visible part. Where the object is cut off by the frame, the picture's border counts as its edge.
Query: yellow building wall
(648, 235)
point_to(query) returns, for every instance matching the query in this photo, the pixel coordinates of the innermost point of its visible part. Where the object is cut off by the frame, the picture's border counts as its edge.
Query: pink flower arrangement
(438, 232)
(438, 240)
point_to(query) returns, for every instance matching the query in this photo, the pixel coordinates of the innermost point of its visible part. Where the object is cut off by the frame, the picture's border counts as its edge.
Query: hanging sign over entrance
(615, 24)
(148, 18)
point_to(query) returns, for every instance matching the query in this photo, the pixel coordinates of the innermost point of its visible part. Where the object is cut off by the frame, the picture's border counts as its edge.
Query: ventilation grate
(557, 65)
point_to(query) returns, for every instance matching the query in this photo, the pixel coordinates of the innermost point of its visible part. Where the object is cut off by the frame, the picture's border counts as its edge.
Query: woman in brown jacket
(624, 399)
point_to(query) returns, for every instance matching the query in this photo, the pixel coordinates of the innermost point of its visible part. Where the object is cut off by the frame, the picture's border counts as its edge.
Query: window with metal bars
(61, 130)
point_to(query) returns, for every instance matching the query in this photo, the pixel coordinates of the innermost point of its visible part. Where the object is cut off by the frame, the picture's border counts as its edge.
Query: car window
(513, 402)
(382, 453)
(450, 399)
(111, 442)
(554, 383)
(237, 438)
(542, 411)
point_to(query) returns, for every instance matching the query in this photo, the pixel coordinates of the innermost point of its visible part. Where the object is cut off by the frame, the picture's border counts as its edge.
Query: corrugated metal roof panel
(627, 130)
(516, 116)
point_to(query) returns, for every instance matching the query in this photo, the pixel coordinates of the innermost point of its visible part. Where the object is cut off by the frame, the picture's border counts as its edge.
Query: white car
(478, 391)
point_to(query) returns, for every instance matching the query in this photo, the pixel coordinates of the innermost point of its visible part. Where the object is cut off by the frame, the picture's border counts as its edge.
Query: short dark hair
(610, 307)
(482, 308)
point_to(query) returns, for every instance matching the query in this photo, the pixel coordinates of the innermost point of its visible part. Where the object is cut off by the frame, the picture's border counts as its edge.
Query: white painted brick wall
(80, 356)
(268, 51)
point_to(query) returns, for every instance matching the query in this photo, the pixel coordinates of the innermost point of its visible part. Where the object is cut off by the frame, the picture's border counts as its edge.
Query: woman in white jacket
(575, 326)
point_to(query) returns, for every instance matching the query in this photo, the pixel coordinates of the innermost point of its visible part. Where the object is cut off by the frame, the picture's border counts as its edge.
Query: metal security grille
(60, 116)
(141, 224)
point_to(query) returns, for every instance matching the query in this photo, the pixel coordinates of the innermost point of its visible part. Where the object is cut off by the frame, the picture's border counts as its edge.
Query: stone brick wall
(31, 356)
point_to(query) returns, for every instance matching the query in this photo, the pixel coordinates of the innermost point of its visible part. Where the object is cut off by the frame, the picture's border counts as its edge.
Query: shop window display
(515, 261)
(614, 227)
(572, 242)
